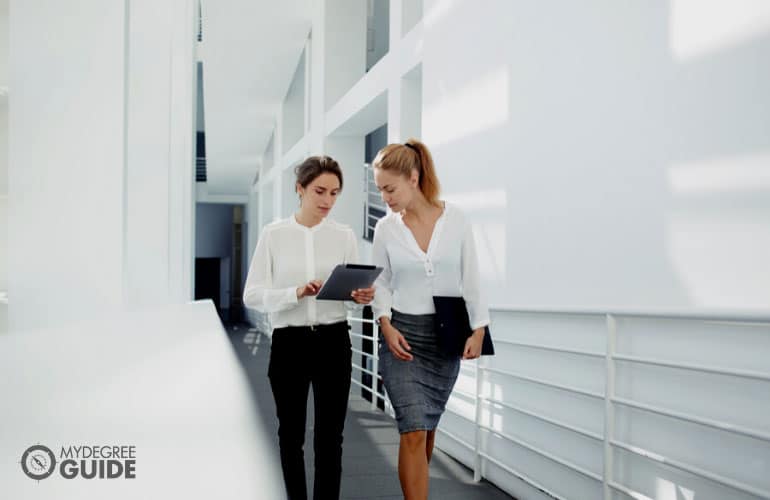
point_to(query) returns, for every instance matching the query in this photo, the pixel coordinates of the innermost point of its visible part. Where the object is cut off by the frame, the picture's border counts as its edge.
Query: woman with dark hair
(310, 343)
(426, 248)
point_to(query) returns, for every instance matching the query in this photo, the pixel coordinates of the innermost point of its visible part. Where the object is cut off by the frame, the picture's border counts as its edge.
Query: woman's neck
(307, 219)
(421, 210)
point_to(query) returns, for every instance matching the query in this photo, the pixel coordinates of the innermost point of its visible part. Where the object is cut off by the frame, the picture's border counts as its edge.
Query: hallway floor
(370, 452)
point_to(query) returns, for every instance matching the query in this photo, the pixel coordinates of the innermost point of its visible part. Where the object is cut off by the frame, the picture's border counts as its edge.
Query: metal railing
(609, 397)
(375, 377)
(373, 210)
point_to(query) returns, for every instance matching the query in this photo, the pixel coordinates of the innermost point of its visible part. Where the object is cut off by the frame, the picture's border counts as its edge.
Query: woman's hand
(363, 295)
(309, 289)
(395, 341)
(473, 344)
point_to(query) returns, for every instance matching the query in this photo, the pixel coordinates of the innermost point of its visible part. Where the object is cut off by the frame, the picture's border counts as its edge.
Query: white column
(349, 153)
(3, 164)
(181, 195)
(102, 157)
(67, 160)
(317, 79)
(161, 152)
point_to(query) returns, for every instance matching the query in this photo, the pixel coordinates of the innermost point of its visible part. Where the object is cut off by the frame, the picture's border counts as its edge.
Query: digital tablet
(345, 278)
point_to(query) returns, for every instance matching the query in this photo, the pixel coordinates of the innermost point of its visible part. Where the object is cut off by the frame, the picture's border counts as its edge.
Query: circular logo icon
(38, 462)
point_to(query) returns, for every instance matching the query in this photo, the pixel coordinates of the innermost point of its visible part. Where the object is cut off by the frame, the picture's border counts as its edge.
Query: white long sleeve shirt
(411, 277)
(288, 255)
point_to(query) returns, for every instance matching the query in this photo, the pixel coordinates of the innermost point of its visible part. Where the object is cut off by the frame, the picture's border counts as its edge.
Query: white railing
(609, 399)
(373, 387)
(370, 191)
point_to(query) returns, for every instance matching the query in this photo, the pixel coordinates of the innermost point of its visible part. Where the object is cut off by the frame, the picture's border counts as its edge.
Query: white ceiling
(250, 51)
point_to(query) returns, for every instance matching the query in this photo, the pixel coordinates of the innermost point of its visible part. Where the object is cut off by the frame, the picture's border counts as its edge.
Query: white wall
(378, 21)
(252, 219)
(610, 156)
(200, 110)
(66, 241)
(3, 195)
(608, 168)
(411, 104)
(3, 164)
(101, 201)
(294, 108)
(411, 14)
(3, 143)
(344, 56)
(160, 154)
(289, 198)
(4, 39)
(349, 153)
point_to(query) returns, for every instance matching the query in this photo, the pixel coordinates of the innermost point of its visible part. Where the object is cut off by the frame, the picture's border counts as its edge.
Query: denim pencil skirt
(418, 389)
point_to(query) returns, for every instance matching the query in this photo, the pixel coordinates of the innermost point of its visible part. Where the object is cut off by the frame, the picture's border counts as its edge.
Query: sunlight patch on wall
(487, 211)
(666, 490)
(700, 27)
(721, 175)
(438, 11)
(480, 105)
(721, 261)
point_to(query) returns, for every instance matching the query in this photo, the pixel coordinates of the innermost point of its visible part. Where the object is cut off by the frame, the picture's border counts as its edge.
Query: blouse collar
(295, 222)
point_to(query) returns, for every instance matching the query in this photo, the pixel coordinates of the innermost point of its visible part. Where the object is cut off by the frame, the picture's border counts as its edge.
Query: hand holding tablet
(347, 278)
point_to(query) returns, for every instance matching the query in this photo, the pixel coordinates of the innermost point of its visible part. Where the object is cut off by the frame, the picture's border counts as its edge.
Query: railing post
(609, 413)
(375, 363)
(477, 420)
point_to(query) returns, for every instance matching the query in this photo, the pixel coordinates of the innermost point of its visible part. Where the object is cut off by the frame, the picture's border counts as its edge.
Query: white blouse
(412, 277)
(288, 255)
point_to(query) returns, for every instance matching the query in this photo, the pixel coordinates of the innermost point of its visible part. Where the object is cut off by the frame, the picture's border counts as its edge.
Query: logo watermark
(87, 462)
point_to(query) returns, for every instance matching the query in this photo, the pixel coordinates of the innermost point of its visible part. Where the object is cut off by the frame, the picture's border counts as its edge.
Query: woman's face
(319, 196)
(397, 190)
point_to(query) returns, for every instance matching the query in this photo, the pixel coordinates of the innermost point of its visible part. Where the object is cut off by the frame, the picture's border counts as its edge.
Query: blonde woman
(426, 248)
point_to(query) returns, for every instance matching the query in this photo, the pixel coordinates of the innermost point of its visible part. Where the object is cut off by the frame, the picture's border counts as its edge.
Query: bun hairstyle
(309, 170)
(404, 158)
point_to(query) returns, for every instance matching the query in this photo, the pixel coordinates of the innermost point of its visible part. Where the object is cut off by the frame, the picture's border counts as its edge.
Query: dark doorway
(207, 280)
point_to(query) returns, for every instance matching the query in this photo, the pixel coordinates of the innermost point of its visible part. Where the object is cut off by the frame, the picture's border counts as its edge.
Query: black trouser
(320, 356)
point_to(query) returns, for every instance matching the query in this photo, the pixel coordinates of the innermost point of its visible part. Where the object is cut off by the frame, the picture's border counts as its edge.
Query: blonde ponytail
(412, 155)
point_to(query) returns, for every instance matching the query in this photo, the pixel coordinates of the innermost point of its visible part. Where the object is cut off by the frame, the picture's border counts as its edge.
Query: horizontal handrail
(543, 418)
(361, 320)
(466, 395)
(693, 367)
(542, 453)
(544, 347)
(456, 438)
(733, 315)
(555, 385)
(691, 469)
(362, 353)
(369, 389)
(362, 369)
(686, 417)
(520, 475)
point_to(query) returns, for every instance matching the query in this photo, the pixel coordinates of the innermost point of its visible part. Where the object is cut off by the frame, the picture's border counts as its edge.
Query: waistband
(340, 325)
(419, 319)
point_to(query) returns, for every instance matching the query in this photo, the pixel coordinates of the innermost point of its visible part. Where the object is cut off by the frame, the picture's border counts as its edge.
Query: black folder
(454, 327)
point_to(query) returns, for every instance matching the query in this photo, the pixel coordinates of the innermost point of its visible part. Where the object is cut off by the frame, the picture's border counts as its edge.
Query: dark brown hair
(314, 166)
(404, 158)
